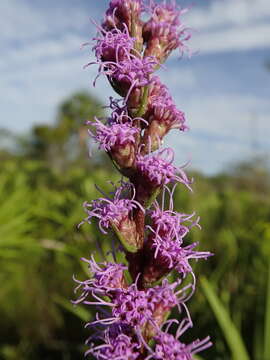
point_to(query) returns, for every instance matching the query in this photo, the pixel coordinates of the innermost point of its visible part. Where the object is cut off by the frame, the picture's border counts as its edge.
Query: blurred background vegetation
(44, 179)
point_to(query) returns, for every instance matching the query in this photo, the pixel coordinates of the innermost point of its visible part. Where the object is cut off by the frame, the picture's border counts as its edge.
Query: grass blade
(231, 333)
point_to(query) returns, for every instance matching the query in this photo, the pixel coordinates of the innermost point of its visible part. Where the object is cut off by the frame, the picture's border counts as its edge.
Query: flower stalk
(133, 311)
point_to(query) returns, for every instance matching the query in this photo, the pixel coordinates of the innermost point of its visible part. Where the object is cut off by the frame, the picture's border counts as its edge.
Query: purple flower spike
(158, 169)
(134, 301)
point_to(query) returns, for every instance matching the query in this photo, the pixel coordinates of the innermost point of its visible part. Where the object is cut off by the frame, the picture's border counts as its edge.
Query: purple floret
(158, 169)
(119, 13)
(121, 347)
(129, 73)
(170, 253)
(106, 277)
(133, 307)
(134, 71)
(111, 211)
(169, 348)
(114, 45)
(162, 107)
(114, 135)
(169, 224)
(166, 29)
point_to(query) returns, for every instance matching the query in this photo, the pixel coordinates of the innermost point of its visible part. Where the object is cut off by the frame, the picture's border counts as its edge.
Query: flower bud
(164, 31)
(125, 12)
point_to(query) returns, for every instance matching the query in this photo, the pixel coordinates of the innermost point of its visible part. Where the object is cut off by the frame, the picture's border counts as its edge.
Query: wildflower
(115, 135)
(169, 223)
(157, 170)
(128, 75)
(106, 277)
(167, 347)
(131, 313)
(164, 32)
(169, 254)
(134, 308)
(117, 138)
(123, 13)
(116, 214)
(131, 73)
(162, 115)
(120, 348)
(113, 45)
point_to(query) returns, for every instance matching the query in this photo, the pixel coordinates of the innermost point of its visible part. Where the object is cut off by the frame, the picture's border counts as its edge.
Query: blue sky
(224, 89)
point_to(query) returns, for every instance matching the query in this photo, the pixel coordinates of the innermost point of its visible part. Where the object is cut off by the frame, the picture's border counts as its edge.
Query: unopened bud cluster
(134, 39)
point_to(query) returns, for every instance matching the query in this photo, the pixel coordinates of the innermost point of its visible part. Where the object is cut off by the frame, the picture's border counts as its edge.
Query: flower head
(106, 278)
(113, 45)
(118, 137)
(137, 307)
(121, 347)
(169, 224)
(162, 114)
(158, 170)
(120, 12)
(129, 74)
(117, 134)
(133, 306)
(112, 211)
(133, 72)
(164, 32)
(169, 348)
(169, 254)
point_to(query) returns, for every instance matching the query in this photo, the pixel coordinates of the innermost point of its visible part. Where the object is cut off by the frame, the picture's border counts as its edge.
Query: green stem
(144, 101)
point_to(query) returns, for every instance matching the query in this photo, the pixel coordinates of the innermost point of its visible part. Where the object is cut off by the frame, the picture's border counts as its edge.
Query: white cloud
(224, 128)
(23, 20)
(230, 25)
(235, 39)
(229, 13)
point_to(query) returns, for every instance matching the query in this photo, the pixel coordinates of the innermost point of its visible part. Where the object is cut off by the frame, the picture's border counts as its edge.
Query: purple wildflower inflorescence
(134, 299)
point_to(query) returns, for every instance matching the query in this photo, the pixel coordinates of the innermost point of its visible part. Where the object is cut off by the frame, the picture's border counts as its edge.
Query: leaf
(230, 332)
